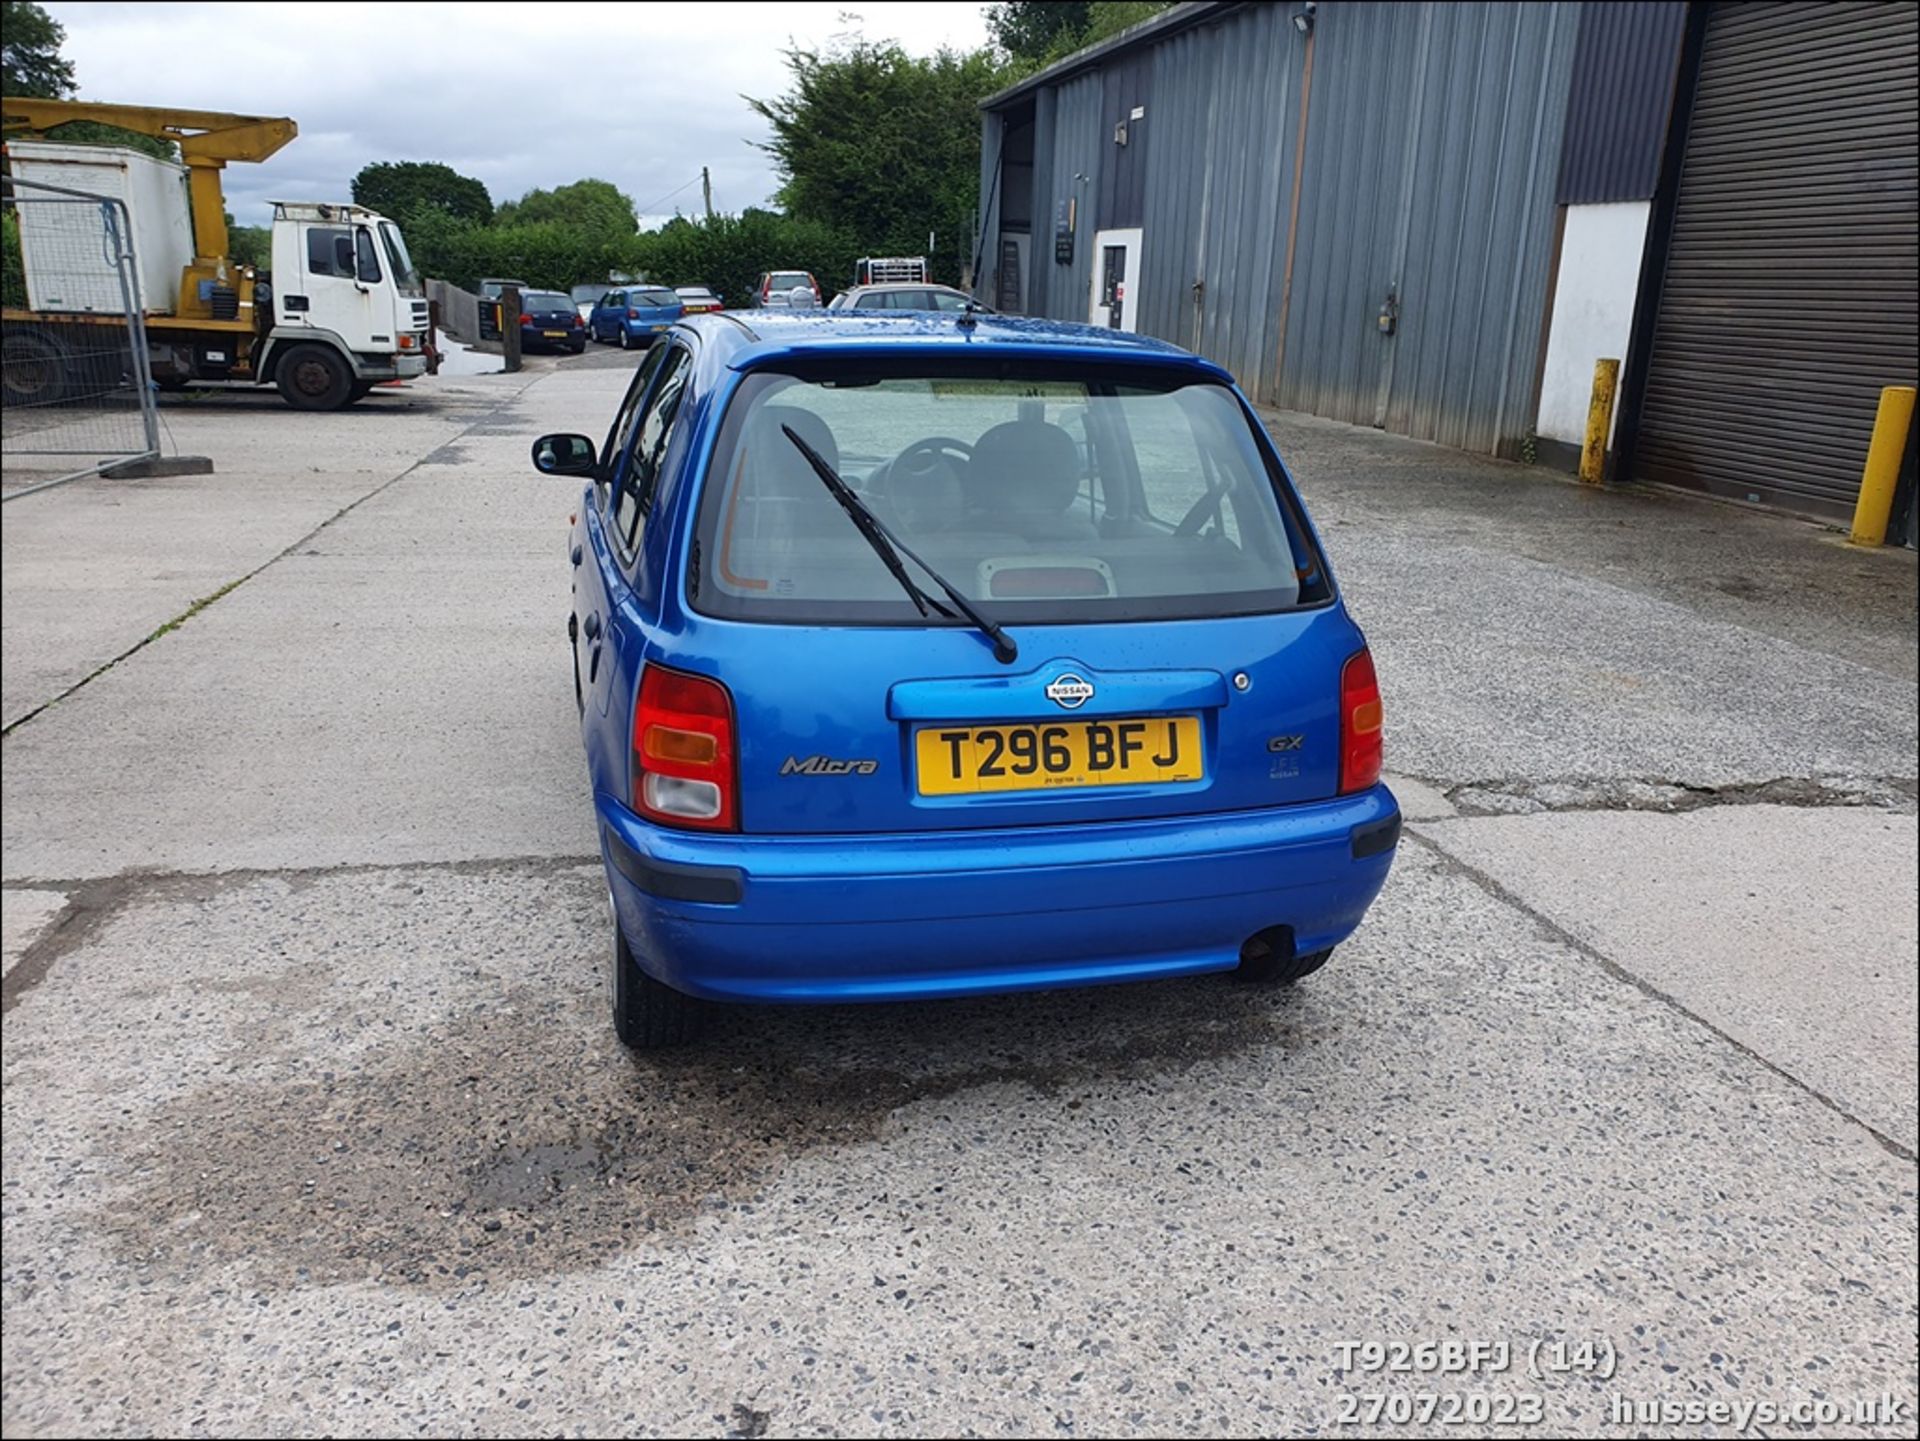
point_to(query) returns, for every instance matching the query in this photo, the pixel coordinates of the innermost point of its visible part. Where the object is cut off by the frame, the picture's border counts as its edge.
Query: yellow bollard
(1593, 455)
(1882, 475)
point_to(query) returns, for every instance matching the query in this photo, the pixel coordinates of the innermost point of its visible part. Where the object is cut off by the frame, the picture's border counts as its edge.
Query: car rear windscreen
(547, 300)
(655, 297)
(1043, 498)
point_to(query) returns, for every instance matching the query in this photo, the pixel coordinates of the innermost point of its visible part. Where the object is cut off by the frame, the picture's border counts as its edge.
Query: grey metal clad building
(1350, 205)
(1437, 217)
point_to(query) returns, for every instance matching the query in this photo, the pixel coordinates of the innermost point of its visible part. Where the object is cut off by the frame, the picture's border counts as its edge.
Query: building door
(1115, 301)
(1791, 294)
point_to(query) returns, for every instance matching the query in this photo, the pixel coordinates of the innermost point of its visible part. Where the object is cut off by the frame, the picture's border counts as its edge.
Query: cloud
(519, 96)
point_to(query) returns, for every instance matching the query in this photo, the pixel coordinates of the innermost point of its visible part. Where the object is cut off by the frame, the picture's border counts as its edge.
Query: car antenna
(969, 314)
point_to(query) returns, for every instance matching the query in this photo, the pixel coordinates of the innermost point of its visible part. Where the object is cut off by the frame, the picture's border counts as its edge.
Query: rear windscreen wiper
(889, 547)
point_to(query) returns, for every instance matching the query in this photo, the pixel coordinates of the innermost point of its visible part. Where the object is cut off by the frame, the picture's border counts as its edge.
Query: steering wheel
(934, 446)
(916, 476)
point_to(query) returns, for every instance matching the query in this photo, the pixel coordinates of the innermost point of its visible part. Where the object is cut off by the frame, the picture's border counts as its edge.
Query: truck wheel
(314, 377)
(649, 1015)
(35, 368)
(360, 391)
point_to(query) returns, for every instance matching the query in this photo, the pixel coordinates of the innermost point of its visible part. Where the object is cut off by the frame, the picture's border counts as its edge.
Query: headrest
(1024, 467)
(774, 464)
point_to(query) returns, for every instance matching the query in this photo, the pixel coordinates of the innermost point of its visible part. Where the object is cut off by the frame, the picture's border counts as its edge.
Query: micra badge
(827, 766)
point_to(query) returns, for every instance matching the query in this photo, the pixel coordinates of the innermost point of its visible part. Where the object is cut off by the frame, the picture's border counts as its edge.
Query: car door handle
(591, 625)
(576, 555)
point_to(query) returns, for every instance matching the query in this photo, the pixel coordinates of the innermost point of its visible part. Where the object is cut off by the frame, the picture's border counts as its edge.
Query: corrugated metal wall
(1622, 91)
(1226, 98)
(1075, 175)
(1433, 150)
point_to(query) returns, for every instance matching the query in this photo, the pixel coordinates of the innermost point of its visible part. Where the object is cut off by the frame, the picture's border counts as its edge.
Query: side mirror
(564, 454)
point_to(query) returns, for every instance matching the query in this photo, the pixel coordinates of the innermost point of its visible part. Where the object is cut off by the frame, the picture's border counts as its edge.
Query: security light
(1303, 22)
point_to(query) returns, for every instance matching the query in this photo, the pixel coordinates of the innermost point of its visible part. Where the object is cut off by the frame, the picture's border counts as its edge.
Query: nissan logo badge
(1070, 691)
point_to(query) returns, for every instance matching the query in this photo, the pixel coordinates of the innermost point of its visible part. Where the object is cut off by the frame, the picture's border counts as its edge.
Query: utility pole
(706, 190)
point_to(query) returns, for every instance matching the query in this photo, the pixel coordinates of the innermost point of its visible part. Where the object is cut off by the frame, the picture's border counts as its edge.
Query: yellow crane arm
(208, 139)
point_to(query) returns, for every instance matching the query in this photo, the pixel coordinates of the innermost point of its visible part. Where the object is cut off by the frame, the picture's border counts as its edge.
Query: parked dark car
(906, 297)
(634, 314)
(549, 320)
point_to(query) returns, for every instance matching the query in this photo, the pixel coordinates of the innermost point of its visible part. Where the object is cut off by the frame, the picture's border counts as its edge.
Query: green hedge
(727, 253)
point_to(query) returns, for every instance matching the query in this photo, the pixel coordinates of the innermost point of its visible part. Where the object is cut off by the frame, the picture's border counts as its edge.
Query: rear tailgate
(922, 730)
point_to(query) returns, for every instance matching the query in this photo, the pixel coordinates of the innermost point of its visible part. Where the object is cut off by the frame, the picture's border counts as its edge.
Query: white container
(63, 245)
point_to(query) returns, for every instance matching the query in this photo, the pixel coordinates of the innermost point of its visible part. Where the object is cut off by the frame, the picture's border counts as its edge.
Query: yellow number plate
(965, 760)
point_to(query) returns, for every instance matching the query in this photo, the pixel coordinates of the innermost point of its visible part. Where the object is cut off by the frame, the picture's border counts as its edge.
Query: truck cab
(348, 309)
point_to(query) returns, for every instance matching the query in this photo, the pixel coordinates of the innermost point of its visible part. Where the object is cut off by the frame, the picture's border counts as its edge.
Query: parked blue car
(924, 655)
(635, 315)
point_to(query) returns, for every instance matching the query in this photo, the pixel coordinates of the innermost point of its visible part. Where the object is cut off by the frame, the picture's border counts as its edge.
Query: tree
(592, 206)
(884, 147)
(250, 244)
(1035, 33)
(30, 61)
(31, 66)
(405, 188)
(1030, 31)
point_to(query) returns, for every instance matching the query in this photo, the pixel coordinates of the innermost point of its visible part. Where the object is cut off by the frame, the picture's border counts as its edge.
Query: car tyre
(314, 377)
(650, 1015)
(579, 346)
(626, 338)
(1267, 964)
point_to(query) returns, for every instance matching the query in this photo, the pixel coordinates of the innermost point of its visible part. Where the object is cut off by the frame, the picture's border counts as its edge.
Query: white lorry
(344, 311)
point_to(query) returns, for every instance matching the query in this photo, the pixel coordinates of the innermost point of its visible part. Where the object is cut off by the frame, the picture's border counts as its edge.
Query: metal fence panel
(74, 374)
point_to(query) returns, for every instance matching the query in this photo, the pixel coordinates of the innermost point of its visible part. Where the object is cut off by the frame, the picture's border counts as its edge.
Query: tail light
(633, 315)
(683, 751)
(1360, 716)
(577, 320)
(526, 320)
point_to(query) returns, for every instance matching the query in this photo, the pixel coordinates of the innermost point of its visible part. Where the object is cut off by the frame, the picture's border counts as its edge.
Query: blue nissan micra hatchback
(930, 655)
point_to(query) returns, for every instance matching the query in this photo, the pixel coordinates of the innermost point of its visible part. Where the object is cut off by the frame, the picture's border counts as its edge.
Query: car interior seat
(780, 495)
(1023, 480)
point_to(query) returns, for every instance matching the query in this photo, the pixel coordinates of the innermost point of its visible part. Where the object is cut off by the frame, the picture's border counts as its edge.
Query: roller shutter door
(1792, 293)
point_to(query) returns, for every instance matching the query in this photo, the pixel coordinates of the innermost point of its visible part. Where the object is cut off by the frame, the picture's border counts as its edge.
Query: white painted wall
(1592, 310)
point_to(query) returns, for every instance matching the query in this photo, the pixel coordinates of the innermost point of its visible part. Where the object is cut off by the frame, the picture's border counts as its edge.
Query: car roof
(747, 340)
(886, 285)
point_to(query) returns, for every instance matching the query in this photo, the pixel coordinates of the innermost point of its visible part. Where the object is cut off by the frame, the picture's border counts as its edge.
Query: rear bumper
(898, 917)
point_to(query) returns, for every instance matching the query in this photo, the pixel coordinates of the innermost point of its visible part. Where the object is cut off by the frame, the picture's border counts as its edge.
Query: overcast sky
(518, 95)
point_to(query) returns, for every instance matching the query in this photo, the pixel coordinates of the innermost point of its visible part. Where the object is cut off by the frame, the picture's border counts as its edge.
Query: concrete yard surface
(313, 1119)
